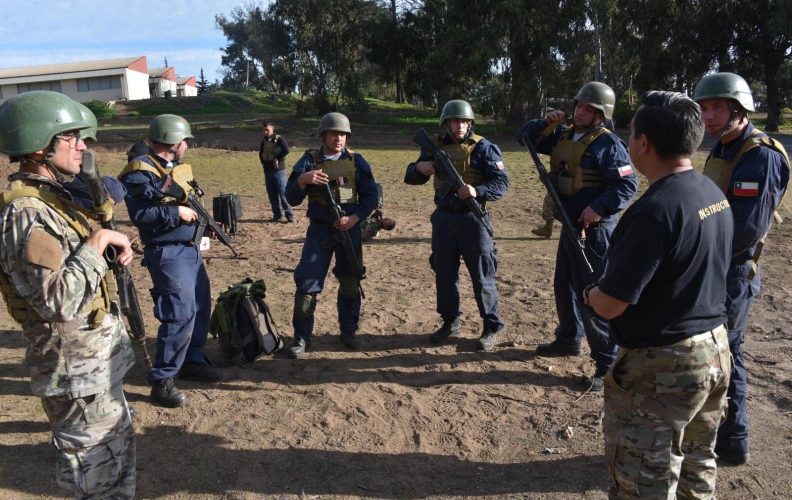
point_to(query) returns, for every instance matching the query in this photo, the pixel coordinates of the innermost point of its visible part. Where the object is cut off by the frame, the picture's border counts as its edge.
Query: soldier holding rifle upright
(353, 194)
(181, 292)
(55, 283)
(456, 231)
(594, 180)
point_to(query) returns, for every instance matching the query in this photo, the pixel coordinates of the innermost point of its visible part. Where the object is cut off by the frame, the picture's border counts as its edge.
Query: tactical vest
(720, 171)
(566, 159)
(18, 307)
(268, 151)
(342, 178)
(182, 175)
(460, 158)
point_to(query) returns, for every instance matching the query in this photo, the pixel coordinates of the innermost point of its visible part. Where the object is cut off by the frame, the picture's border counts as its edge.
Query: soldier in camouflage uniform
(54, 282)
(664, 293)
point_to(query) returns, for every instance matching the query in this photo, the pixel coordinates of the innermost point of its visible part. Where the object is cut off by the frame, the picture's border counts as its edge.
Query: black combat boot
(558, 348)
(164, 392)
(200, 371)
(449, 329)
(350, 340)
(299, 347)
(598, 380)
(487, 340)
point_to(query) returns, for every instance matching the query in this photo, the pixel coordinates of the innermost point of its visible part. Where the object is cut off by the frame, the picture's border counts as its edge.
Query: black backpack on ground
(243, 323)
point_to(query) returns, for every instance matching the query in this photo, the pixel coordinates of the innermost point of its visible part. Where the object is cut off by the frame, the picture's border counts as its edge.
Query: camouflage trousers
(96, 441)
(663, 406)
(547, 208)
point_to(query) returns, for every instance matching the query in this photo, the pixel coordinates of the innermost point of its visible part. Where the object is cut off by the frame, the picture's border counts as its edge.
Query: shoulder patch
(43, 250)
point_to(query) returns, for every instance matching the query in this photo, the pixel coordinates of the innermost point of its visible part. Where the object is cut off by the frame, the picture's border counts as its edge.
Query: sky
(37, 32)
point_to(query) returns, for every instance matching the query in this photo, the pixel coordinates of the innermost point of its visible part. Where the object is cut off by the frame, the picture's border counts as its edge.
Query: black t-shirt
(668, 259)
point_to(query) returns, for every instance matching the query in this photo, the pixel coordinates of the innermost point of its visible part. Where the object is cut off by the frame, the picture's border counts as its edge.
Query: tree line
(509, 58)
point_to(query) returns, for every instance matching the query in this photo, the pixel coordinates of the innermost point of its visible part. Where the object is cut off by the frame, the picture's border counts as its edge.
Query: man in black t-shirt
(664, 292)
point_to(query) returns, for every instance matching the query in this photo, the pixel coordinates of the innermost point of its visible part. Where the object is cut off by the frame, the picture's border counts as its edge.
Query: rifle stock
(172, 188)
(127, 294)
(449, 175)
(342, 237)
(566, 223)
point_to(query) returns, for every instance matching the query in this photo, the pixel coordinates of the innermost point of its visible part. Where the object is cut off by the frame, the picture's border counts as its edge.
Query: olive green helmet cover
(169, 129)
(88, 134)
(457, 109)
(725, 86)
(599, 96)
(29, 121)
(336, 122)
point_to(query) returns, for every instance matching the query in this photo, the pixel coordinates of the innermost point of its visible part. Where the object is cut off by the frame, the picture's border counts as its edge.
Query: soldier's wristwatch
(588, 289)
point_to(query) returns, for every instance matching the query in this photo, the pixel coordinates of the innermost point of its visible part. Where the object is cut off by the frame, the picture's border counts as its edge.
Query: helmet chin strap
(47, 162)
(725, 129)
(174, 150)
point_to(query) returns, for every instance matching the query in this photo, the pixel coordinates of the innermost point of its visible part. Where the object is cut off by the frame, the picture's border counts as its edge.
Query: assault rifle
(449, 174)
(341, 237)
(172, 188)
(127, 295)
(567, 227)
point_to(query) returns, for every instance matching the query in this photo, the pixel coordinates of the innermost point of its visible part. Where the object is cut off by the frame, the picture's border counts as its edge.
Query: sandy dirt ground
(400, 418)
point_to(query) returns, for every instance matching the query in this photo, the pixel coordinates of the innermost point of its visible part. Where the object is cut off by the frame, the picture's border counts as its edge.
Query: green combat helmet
(29, 121)
(88, 134)
(457, 109)
(169, 129)
(599, 96)
(725, 86)
(335, 122)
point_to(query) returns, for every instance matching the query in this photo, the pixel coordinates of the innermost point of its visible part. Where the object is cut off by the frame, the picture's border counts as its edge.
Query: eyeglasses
(72, 138)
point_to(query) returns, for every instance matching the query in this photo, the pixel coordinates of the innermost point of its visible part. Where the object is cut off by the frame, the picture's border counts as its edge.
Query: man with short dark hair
(272, 154)
(591, 171)
(456, 231)
(664, 293)
(752, 169)
(55, 283)
(354, 190)
(172, 255)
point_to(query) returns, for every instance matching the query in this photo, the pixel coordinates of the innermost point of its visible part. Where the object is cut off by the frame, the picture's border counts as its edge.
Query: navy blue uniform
(80, 194)
(753, 214)
(456, 232)
(181, 293)
(275, 178)
(607, 154)
(315, 260)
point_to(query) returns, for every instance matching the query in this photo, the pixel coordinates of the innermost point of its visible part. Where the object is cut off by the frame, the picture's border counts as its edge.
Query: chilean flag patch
(746, 189)
(625, 170)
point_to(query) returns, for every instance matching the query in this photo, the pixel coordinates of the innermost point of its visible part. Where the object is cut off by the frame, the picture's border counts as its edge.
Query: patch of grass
(423, 120)
(100, 109)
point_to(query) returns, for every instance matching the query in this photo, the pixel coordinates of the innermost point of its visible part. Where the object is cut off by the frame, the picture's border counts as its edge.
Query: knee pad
(348, 287)
(304, 304)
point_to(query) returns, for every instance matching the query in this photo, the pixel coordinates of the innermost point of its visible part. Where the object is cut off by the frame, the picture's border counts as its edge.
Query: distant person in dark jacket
(272, 152)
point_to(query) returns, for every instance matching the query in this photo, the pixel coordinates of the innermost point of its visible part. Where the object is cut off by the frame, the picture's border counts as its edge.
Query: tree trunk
(774, 101)
(399, 86)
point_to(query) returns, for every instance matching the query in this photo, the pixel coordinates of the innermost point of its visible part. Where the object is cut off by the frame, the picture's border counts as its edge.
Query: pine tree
(202, 84)
(166, 61)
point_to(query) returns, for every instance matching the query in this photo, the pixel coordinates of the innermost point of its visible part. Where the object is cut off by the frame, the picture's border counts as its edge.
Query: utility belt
(169, 243)
(454, 209)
